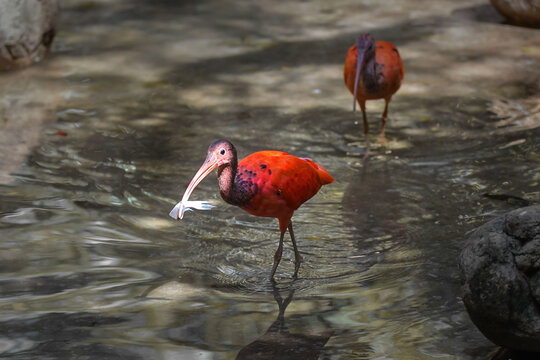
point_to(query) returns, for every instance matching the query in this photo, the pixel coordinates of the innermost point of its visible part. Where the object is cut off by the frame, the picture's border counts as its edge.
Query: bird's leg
(384, 117)
(277, 256)
(366, 126)
(297, 257)
(364, 117)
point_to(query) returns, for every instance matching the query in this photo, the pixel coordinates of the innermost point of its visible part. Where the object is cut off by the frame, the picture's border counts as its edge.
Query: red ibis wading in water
(266, 183)
(373, 70)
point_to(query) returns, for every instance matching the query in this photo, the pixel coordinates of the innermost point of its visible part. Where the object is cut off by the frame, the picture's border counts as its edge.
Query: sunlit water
(91, 266)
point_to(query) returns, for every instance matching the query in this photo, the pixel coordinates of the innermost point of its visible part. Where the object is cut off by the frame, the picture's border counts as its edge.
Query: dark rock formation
(500, 272)
(27, 28)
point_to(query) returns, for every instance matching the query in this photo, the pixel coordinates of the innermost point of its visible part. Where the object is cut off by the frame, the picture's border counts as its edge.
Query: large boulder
(500, 272)
(27, 28)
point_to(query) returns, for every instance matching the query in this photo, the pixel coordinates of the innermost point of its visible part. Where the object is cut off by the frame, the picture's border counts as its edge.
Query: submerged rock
(500, 272)
(27, 28)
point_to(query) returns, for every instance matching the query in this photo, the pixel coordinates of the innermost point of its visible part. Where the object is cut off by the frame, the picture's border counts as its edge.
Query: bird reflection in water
(279, 343)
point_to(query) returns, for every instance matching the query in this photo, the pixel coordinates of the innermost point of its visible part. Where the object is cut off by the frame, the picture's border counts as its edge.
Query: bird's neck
(227, 187)
(369, 74)
(235, 188)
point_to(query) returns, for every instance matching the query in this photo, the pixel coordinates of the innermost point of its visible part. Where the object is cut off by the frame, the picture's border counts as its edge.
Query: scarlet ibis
(266, 183)
(373, 70)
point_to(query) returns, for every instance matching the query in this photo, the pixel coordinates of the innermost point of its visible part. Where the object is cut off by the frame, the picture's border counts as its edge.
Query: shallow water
(93, 267)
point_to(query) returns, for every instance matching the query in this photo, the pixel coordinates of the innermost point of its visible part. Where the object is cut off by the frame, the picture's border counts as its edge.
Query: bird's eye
(222, 151)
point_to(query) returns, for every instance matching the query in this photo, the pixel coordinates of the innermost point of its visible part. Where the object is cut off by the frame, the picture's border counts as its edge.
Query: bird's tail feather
(324, 175)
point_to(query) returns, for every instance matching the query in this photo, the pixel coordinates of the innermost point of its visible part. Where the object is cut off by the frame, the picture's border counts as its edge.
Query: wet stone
(519, 12)
(500, 273)
(27, 29)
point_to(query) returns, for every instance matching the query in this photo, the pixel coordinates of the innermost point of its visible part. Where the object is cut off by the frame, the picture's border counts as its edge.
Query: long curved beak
(359, 61)
(206, 168)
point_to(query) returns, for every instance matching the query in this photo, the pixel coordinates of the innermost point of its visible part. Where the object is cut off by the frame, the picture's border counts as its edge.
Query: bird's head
(365, 43)
(221, 154)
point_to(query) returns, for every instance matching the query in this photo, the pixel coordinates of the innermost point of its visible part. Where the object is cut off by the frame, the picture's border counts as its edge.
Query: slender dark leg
(277, 256)
(297, 257)
(364, 117)
(366, 127)
(384, 117)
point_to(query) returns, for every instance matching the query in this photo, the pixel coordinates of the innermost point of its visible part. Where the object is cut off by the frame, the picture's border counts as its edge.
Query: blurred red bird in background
(373, 70)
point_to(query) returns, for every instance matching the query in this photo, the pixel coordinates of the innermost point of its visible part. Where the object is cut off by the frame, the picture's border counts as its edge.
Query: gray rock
(27, 28)
(500, 273)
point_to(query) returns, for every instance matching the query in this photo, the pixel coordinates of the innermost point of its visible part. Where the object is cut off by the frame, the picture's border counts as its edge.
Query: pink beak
(206, 168)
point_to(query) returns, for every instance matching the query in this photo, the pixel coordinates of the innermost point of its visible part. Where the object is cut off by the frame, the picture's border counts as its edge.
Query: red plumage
(381, 73)
(387, 54)
(284, 182)
(266, 183)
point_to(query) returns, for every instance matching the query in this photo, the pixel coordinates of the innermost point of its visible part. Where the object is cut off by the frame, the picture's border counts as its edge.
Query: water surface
(92, 266)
